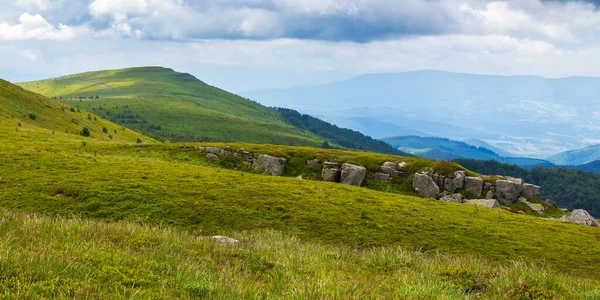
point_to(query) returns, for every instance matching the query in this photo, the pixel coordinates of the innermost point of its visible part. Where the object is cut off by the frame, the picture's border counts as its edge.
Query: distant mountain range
(526, 116)
(446, 149)
(577, 157)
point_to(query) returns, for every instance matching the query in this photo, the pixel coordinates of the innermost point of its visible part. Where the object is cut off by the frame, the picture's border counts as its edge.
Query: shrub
(72, 109)
(104, 129)
(139, 141)
(85, 131)
(33, 116)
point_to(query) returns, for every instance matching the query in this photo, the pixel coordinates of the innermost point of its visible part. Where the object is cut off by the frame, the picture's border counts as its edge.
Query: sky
(243, 45)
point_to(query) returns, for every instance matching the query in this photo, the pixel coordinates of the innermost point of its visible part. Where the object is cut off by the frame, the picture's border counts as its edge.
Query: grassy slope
(53, 120)
(117, 182)
(161, 184)
(181, 104)
(45, 257)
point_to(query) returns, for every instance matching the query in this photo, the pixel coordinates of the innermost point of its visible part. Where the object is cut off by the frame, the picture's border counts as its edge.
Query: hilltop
(172, 106)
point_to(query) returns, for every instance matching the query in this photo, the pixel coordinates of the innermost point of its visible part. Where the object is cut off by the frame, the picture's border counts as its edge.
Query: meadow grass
(45, 257)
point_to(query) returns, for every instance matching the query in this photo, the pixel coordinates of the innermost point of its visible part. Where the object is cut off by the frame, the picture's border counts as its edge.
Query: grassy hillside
(51, 258)
(446, 149)
(161, 184)
(172, 106)
(303, 238)
(28, 116)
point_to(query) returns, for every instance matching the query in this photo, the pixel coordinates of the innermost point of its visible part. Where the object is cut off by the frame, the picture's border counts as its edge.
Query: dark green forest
(567, 187)
(344, 137)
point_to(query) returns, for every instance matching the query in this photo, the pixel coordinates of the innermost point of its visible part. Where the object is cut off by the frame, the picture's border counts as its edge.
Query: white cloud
(119, 9)
(35, 4)
(35, 27)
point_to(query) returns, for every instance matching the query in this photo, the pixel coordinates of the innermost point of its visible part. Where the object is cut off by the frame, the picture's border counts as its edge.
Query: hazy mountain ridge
(525, 115)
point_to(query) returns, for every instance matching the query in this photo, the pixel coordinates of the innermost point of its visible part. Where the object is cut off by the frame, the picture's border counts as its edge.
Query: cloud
(35, 27)
(35, 4)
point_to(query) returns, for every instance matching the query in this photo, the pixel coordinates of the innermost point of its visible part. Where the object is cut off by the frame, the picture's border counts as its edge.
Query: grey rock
(530, 191)
(521, 212)
(538, 208)
(237, 155)
(582, 217)
(489, 195)
(212, 156)
(271, 165)
(515, 180)
(331, 172)
(522, 200)
(313, 163)
(474, 185)
(225, 152)
(402, 165)
(453, 184)
(551, 203)
(353, 175)
(491, 203)
(300, 177)
(508, 191)
(389, 167)
(564, 209)
(425, 187)
(202, 149)
(213, 150)
(383, 177)
(456, 198)
(224, 240)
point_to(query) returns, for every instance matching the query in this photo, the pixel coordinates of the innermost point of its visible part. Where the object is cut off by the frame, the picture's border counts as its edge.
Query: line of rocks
(430, 184)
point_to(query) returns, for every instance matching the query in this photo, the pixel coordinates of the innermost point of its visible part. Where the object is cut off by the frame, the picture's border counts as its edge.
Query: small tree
(104, 129)
(33, 116)
(139, 141)
(325, 145)
(85, 132)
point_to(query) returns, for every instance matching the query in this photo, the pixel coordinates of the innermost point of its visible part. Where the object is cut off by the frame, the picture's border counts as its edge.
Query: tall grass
(45, 257)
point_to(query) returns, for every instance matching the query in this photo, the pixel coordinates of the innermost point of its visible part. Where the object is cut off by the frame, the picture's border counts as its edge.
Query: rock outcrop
(212, 156)
(456, 198)
(331, 172)
(530, 191)
(508, 191)
(453, 184)
(491, 203)
(474, 185)
(382, 177)
(536, 207)
(582, 217)
(389, 168)
(271, 165)
(425, 186)
(352, 174)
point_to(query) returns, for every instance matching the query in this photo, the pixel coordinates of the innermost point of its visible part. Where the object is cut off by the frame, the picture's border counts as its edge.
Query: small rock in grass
(224, 240)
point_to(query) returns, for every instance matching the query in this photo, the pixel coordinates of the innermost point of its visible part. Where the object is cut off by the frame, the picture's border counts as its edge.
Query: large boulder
(331, 172)
(425, 187)
(491, 203)
(353, 175)
(474, 185)
(515, 180)
(271, 165)
(212, 156)
(389, 167)
(508, 191)
(582, 217)
(538, 208)
(453, 184)
(382, 177)
(530, 191)
(213, 150)
(456, 198)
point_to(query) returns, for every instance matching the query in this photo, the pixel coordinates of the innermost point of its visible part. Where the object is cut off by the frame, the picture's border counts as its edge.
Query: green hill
(172, 106)
(100, 204)
(28, 116)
